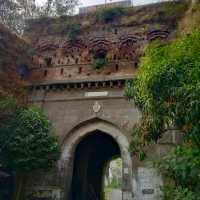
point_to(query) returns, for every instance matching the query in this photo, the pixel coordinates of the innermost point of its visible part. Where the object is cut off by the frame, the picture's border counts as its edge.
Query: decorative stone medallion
(96, 107)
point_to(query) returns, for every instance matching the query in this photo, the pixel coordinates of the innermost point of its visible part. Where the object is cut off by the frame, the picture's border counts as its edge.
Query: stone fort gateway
(91, 115)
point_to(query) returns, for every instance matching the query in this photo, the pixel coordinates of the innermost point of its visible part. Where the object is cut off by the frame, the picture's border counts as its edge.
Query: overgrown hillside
(143, 19)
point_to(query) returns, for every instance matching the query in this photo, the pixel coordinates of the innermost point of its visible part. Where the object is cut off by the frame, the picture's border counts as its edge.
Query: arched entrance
(86, 151)
(91, 157)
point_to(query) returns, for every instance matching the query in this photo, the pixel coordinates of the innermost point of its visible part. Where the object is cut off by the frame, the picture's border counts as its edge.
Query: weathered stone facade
(92, 118)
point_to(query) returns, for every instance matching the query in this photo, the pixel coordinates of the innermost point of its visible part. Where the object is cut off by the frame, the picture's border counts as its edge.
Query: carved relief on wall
(63, 58)
(83, 51)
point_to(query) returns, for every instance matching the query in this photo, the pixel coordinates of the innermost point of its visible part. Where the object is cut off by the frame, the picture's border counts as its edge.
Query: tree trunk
(19, 186)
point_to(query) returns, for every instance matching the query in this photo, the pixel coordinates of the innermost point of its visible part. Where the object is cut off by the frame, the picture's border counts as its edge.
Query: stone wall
(68, 108)
(81, 101)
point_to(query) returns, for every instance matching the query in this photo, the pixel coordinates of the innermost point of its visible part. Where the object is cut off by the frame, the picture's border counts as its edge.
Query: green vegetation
(183, 167)
(115, 184)
(99, 63)
(165, 14)
(107, 15)
(30, 143)
(173, 8)
(74, 31)
(167, 90)
(27, 142)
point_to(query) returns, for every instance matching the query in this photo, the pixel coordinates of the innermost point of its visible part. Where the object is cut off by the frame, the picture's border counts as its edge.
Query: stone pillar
(148, 181)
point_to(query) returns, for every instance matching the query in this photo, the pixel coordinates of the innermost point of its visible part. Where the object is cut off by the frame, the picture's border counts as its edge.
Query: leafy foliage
(58, 7)
(167, 90)
(179, 194)
(27, 141)
(14, 13)
(110, 14)
(183, 167)
(73, 31)
(99, 63)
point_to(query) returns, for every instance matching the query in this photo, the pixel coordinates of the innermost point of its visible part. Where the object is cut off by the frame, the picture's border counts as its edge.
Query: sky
(94, 2)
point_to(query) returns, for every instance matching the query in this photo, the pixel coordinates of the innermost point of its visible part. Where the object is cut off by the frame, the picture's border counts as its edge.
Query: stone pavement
(116, 195)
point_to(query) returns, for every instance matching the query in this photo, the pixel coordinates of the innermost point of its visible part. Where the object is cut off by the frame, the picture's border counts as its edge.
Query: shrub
(27, 142)
(179, 194)
(110, 14)
(74, 31)
(183, 167)
(167, 90)
(99, 63)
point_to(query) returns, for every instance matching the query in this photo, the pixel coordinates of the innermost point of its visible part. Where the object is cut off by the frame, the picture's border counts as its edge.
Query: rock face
(91, 116)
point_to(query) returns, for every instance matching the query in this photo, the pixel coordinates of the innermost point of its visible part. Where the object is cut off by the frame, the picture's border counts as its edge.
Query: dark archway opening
(100, 54)
(91, 158)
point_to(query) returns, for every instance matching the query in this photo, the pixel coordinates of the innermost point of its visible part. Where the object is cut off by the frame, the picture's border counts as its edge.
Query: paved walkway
(116, 195)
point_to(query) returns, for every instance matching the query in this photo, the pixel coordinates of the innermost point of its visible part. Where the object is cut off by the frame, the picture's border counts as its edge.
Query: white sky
(94, 2)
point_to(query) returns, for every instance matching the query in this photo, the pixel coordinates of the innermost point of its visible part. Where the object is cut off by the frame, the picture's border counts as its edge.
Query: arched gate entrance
(86, 151)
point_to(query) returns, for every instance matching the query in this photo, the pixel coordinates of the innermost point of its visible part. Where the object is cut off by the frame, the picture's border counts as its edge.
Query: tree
(14, 13)
(27, 141)
(167, 90)
(28, 8)
(59, 7)
(9, 14)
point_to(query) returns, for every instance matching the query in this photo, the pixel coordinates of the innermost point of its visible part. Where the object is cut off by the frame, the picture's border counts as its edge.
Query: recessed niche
(45, 73)
(80, 70)
(116, 67)
(48, 61)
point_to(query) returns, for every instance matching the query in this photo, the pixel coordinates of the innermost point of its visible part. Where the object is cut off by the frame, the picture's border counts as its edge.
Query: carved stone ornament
(96, 107)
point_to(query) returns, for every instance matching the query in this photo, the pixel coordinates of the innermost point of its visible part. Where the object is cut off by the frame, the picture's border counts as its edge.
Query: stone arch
(73, 139)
